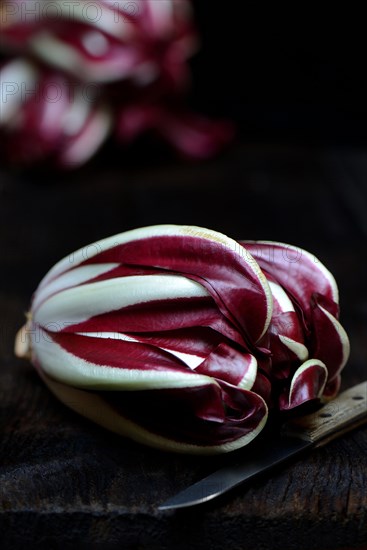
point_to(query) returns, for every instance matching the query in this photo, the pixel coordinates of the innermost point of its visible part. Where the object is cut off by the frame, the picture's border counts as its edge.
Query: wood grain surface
(65, 483)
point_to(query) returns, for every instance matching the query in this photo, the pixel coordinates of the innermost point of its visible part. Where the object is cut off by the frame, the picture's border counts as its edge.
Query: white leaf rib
(70, 279)
(343, 336)
(72, 370)
(249, 378)
(78, 304)
(303, 368)
(297, 348)
(281, 297)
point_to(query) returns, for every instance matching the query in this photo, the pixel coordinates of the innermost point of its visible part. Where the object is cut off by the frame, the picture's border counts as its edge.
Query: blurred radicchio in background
(74, 73)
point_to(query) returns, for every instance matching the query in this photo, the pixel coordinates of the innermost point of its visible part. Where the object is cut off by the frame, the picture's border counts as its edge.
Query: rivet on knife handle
(339, 416)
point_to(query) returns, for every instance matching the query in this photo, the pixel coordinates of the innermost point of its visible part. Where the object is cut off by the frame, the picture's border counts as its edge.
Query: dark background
(295, 85)
(283, 73)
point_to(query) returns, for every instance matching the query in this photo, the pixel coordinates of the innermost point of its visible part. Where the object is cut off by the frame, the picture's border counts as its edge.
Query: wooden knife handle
(342, 414)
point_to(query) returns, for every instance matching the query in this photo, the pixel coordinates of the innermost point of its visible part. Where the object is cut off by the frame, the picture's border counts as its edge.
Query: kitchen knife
(342, 414)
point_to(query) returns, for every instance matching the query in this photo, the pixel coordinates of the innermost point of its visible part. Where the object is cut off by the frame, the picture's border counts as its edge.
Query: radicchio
(183, 339)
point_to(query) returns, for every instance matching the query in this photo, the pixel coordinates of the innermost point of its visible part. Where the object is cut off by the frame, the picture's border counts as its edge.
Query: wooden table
(66, 483)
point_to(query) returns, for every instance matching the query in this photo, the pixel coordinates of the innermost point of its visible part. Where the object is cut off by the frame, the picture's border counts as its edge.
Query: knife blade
(341, 415)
